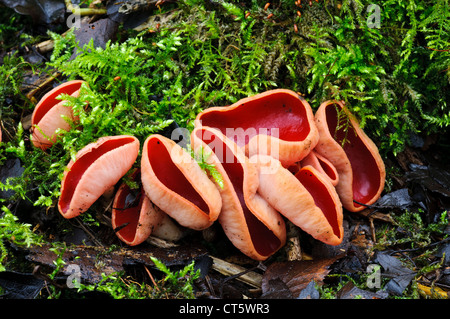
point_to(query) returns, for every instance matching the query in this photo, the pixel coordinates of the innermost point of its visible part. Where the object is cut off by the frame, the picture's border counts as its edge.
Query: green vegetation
(174, 285)
(395, 79)
(14, 232)
(411, 232)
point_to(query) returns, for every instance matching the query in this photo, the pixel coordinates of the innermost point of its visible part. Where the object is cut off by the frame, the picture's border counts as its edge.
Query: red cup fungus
(322, 165)
(279, 123)
(274, 157)
(249, 222)
(134, 217)
(50, 114)
(354, 155)
(97, 167)
(175, 183)
(307, 199)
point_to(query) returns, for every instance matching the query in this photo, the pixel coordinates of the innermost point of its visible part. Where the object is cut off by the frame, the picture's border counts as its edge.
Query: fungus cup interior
(264, 240)
(128, 208)
(51, 100)
(280, 111)
(170, 175)
(322, 197)
(327, 169)
(80, 166)
(366, 174)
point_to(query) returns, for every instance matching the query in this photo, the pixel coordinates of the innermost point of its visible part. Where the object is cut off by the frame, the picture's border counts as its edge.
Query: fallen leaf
(310, 292)
(399, 199)
(434, 179)
(432, 292)
(100, 32)
(11, 168)
(393, 267)
(19, 286)
(42, 11)
(350, 291)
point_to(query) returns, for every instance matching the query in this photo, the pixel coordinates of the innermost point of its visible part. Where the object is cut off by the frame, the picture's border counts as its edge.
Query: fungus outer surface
(171, 176)
(49, 101)
(80, 166)
(321, 197)
(263, 239)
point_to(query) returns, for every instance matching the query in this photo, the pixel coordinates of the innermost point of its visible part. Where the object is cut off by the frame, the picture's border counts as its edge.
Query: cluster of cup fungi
(277, 160)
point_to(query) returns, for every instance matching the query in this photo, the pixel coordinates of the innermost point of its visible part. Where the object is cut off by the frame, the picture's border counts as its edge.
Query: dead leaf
(350, 291)
(100, 32)
(433, 292)
(291, 277)
(19, 285)
(434, 179)
(393, 267)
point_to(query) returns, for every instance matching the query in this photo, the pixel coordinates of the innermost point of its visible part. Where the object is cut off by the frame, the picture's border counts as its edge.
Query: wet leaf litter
(422, 190)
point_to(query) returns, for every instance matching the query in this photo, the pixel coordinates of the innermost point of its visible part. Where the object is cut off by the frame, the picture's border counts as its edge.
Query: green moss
(12, 231)
(395, 79)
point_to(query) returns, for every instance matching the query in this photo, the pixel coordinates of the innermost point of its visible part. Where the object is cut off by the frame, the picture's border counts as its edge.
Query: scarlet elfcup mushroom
(322, 165)
(356, 158)
(133, 215)
(279, 123)
(250, 223)
(177, 185)
(307, 199)
(50, 114)
(96, 168)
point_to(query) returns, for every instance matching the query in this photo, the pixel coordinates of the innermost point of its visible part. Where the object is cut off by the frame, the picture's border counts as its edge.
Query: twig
(424, 247)
(37, 273)
(88, 231)
(151, 278)
(447, 50)
(247, 276)
(82, 11)
(31, 94)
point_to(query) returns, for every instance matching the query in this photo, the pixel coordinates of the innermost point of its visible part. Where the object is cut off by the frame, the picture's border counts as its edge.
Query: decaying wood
(228, 269)
(161, 243)
(48, 45)
(372, 213)
(158, 21)
(39, 87)
(293, 249)
(95, 261)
